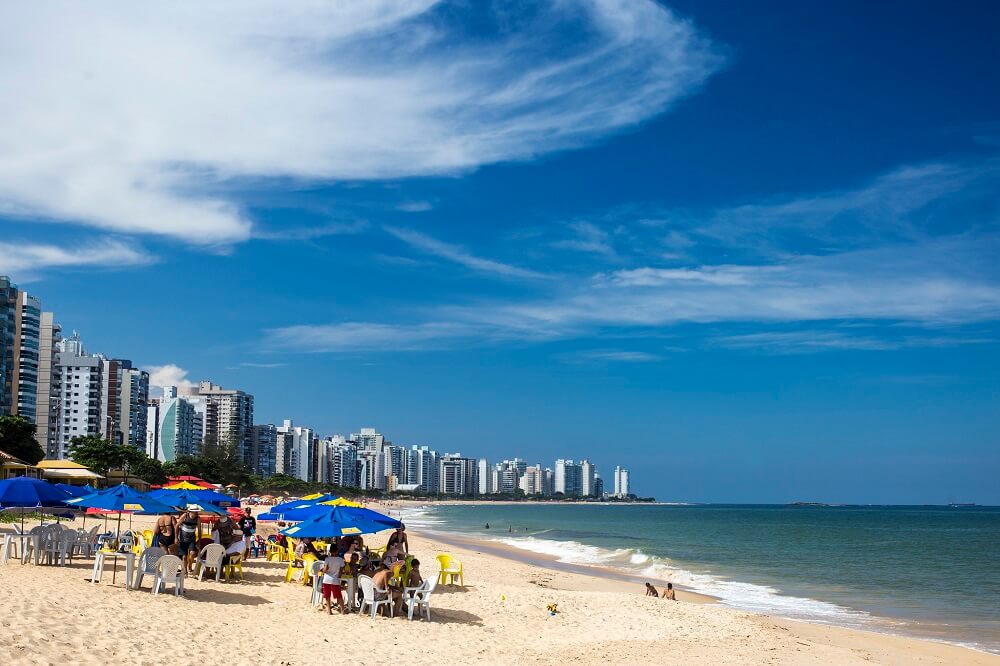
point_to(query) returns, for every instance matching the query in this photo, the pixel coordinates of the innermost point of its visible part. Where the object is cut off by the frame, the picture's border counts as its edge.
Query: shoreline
(882, 625)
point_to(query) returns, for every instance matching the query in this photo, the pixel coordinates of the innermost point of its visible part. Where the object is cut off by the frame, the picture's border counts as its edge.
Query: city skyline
(747, 254)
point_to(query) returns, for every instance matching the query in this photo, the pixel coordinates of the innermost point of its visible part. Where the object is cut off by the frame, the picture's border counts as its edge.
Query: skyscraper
(171, 427)
(568, 479)
(124, 397)
(48, 409)
(80, 397)
(587, 474)
(228, 416)
(621, 482)
(485, 477)
(21, 348)
(300, 446)
(264, 449)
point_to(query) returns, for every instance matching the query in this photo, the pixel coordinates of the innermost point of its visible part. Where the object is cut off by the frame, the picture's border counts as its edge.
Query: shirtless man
(166, 533)
(381, 581)
(651, 591)
(669, 592)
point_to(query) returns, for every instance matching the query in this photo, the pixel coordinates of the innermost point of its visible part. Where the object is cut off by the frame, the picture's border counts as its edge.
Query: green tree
(17, 438)
(102, 456)
(149, 470)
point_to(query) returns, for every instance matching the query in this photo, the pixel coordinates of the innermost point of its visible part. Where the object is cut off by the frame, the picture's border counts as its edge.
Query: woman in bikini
(165, 534)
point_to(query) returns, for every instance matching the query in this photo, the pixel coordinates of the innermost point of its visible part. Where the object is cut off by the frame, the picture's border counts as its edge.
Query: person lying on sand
(669, 592)
(651, 591)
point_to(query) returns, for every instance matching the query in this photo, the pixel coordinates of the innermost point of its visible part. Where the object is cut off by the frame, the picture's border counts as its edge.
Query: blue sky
(748, 252)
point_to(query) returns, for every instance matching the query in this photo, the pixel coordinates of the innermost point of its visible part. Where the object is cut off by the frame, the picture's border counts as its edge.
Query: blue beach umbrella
(184, 498)
(24, 494)
(281, 508)
(342, 521)
(74, 491)
(216, 498)
(121, 498)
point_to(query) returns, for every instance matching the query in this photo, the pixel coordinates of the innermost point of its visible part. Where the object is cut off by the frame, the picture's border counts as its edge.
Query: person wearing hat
(187, 536)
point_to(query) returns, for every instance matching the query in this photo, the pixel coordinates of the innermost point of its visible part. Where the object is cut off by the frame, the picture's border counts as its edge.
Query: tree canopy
(102, 455)
(17, 437)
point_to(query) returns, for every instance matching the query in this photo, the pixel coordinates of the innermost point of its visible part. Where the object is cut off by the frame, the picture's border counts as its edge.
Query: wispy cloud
(325, 91)
(366, 336)
(311, 233)
(29, 258)
(875, 255)
(611, 356)
(588, 237)
(460, 255)
(415, 206)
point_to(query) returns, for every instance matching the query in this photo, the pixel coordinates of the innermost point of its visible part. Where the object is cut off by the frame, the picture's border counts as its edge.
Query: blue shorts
(184, 548)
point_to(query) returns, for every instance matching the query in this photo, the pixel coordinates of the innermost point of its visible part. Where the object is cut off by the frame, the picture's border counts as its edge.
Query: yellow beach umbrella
(340, 501)
(183, 485)
(312, 497)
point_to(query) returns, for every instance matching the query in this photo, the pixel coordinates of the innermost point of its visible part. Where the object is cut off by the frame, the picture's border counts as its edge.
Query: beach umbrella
(22, 493)
(341, 501)
(182, 485)
(185, 498)
(74, 491)
(217, 498)
(342, 521)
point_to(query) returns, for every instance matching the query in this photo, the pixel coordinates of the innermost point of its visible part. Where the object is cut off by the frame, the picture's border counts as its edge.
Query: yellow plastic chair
(275, 552)
(307, 561)
(148, 536)
(291, 562)
(450, 570)
(234, 566)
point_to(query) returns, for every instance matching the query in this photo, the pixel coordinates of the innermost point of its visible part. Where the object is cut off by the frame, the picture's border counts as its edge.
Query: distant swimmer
(669, 592)
(509, 529)
(651, 591)
(487, 526)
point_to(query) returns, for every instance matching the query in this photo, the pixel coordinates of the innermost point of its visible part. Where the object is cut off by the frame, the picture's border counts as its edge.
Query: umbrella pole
(114, 569)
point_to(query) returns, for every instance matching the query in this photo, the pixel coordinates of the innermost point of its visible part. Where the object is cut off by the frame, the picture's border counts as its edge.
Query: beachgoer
(165, 533)
(187, 536)
(399, 537)
(249, 526)
(331, 570)
(651, 591)
(415, 579)
(669, 592)
(381, 580)
(227, 534)
(487, 526)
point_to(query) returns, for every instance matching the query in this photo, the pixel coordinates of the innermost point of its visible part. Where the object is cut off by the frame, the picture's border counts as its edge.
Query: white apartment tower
(621, 482)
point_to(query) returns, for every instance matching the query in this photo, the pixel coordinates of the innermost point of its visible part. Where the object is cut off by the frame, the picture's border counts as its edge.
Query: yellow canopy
(340, 501)
(312, 497)
(183, 485)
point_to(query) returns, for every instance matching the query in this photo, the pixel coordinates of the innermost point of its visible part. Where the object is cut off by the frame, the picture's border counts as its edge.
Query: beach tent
(342, 521)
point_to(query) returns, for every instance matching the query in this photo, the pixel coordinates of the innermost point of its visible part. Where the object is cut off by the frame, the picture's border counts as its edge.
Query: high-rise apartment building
(426, 469)
(368, 439)
(485, 477)
(621, 482)
(587, 475)
(533, 480)
(48, 409)
(457, 475)
(264, 449)
(343, 462)
(171, 427)
(228, 416)
(124, 397)
(80, 394)
(568, 478)
(28, 386)
(300, 448)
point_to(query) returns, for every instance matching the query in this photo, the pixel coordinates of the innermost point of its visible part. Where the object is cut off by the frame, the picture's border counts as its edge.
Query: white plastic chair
(211, 557)
(317, 594)
(147, 564)
(59, 546)
(421, 598)
(374, 597)
(168, 569)
(44, 533)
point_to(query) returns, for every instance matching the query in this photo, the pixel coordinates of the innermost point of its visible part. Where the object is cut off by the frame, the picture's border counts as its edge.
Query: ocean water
(932, 572)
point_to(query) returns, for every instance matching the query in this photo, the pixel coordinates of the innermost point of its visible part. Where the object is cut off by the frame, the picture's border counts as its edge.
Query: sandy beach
(53, 615)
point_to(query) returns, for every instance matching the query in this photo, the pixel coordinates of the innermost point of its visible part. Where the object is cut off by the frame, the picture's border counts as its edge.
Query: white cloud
(366, 336)
(415, 206)
(588, 238)
(611, 356)
(141, 118)
(459, 255)
(803, 342)
(163, 376)
(26, 258)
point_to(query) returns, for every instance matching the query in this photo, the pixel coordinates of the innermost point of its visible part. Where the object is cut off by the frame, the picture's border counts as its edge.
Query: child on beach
(331, 570)
(651, 591)
(669, 592)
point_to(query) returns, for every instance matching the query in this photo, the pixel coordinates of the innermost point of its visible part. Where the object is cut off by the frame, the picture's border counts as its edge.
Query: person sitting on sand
(164, 533)
(669, 592)
(651, 591)
(399, 537)
(331, 584)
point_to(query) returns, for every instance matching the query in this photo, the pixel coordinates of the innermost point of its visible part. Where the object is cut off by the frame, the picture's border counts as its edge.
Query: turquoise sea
(927, 571)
